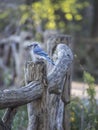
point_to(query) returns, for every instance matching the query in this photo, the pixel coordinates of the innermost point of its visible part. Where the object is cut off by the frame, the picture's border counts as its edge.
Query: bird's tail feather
(50, 60)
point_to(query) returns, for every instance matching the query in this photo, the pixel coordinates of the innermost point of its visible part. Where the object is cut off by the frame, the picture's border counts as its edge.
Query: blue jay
(37, 52)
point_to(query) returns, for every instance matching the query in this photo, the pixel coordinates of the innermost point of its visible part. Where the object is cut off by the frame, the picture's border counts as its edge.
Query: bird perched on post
(37, 52)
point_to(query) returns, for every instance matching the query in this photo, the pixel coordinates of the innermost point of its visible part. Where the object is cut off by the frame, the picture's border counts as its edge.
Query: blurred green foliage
(53, 14)
(90, 81)
(3, 19)
(21, 119)
(9, 19)
(7, 78)
(84, 113)
(50, 14)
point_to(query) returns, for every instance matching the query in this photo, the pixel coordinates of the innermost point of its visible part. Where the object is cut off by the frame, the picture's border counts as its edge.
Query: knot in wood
(64, 50)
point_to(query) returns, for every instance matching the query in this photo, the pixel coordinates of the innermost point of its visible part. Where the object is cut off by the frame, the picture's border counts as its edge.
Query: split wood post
(62, 114)
(37, 110)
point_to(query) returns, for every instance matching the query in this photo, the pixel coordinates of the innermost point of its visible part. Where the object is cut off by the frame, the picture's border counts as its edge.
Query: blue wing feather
(37, 50)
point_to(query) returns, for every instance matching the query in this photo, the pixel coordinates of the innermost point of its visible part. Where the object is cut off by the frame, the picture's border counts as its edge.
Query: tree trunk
(94, 32)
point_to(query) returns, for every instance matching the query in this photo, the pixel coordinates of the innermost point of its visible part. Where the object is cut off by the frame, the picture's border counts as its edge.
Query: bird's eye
(35, 45)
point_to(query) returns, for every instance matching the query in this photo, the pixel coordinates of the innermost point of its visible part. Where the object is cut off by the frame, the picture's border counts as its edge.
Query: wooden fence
(45, 90)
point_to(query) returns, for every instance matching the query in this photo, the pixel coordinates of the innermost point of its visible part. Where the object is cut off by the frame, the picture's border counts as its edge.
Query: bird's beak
(28, 47)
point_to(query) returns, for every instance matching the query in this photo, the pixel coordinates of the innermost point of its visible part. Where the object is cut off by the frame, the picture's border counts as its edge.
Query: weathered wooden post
(37, 110)
(63, 98)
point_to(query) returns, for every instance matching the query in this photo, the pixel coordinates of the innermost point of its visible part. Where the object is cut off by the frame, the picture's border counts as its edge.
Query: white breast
(33, 56)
